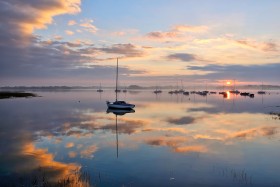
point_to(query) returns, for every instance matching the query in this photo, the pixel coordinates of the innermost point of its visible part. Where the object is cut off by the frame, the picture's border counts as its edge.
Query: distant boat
(234, 91)
(100, 89)
(245, 94)
(124, 90)
(182, 88)
(157, 91)
(119, 104)
(261, 92)
(203, 93)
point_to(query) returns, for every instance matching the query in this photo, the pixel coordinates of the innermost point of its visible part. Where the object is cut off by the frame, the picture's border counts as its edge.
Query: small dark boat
(244, 93)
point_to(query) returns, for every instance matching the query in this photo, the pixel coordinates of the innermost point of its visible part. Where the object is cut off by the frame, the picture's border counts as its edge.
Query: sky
(158, 42)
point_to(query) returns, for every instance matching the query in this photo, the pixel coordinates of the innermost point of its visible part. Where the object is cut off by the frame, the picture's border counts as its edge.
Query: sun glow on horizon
(228, 83)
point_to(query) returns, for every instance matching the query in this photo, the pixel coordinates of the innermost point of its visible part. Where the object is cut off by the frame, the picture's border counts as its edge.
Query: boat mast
(117, 79)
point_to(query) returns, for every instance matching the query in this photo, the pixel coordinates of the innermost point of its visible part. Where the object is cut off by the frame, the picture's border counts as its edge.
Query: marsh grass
(39, 178)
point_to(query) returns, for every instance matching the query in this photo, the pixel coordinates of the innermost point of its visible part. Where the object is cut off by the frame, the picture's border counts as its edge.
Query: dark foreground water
(68, 138)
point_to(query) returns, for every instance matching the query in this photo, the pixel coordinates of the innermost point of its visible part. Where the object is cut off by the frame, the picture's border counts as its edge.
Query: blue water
(170, 140)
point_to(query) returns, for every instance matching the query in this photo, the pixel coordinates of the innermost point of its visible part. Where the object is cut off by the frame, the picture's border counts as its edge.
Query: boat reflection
(118, 112)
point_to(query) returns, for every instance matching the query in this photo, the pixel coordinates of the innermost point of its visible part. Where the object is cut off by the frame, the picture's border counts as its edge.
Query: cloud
(185, 57)
(89, 27)
(269, 72)
(23, 54)
(263, 46)
(124, 32)
(18, 23)
(177, 33)
(189, 28)
(159, 35)
(181, 121)
(57, 37)
(61, 60)
(129, 50)
(68, 32)
(72, 22)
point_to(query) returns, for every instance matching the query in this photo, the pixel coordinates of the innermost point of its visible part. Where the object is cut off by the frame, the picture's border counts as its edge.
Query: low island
(6, 95)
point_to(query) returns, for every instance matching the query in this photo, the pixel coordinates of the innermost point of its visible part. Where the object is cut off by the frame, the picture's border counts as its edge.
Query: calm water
(168, 141)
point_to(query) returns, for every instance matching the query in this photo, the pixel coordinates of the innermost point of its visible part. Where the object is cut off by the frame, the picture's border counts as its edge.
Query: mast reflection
(118, 112)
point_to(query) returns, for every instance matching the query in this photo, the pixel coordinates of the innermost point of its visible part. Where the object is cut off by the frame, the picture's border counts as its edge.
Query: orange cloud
(163, 35)
(72, 22)
(57, 37)
(189, 28)
(177, 33)
(23, 17)
(88, 26)
(43, 12)
(264, 46)
(69, 32)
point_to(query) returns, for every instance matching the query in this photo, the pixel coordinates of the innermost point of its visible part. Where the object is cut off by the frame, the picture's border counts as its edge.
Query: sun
(228, 82)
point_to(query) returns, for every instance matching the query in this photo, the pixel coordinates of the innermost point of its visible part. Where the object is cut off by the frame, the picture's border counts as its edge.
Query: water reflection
(169, 137)
(119, 112)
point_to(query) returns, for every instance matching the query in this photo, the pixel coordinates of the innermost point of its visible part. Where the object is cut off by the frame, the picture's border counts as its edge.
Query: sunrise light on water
(139, 93)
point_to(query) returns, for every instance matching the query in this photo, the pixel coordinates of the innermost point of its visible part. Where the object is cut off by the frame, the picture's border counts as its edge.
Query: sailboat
(157, 91)
(234, 91)
(261, 92)
(100, 89)
(182, 88)
(119, 104)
